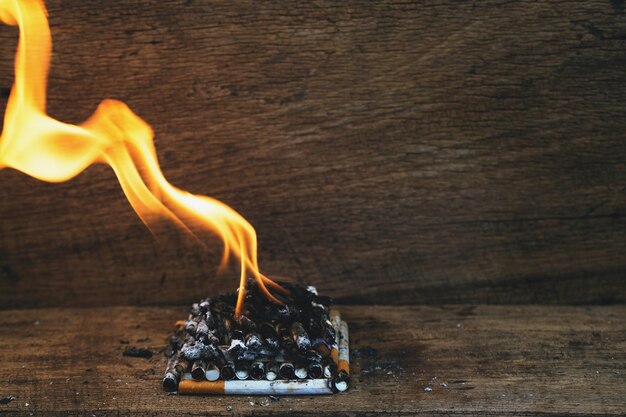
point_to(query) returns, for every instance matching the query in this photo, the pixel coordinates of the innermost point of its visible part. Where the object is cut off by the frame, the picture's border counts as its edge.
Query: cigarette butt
(180, 323)
(340, 385)
(228, 371)
(257, 370)
(301, 372)
(300, 337)
(287, 370)
(272, 371)
(327, 372)
(212, 372)
(170, 382)
(182, 366)
(316, 370)
(241, 371)
(252, 387)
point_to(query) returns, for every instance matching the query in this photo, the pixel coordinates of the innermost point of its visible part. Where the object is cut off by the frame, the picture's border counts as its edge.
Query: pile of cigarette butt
(297, 348)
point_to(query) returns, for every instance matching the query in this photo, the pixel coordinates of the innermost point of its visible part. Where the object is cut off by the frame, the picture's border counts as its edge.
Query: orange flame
(40, 146)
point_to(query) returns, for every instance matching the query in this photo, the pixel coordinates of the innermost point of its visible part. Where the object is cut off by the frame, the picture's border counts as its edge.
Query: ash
(267, 341)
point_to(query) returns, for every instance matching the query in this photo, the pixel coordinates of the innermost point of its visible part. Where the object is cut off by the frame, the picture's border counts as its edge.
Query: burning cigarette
(343, 369)
(251, 387)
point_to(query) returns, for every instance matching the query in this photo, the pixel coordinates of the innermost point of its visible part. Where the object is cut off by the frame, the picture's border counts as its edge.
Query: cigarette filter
(316, 370)
(301, 372)
(212, 372)
(253, 387)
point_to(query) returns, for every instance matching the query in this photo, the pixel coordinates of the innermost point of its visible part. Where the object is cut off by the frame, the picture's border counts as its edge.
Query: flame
(47, 149)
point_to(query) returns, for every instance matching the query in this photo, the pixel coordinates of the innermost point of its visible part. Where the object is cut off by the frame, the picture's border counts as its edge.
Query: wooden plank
(390, 152)
(478, 360)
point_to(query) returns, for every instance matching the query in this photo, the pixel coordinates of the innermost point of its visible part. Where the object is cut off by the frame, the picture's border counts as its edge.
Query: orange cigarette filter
(190, 387)
(334, 355)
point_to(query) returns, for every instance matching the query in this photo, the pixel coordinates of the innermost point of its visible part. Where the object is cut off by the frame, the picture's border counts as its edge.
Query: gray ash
(134, 352)
(7, 399)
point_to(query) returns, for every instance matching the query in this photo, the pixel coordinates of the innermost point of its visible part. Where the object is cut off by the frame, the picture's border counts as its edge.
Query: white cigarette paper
(212, 373)
(252, 387)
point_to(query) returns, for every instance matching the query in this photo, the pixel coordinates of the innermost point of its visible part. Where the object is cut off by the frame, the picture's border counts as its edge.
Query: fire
(50, 150)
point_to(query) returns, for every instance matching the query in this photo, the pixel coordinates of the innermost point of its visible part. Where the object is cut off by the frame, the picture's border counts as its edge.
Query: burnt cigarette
(253, 341)
(172, 376)
(300, 337)
(316, 370)
(272, 371)
(246, 324)
(170, 382)
(335, 319)
(257, 370)
(205, 305)
(191, 326)
(192, 350)
(270, 336)
(228, 371)
(343, 369)
(181, 366)
(202, 330)
(227, 327)
(195, 309)
(242, 370)
(237, 335)
(237, 346)
(252, 387)
(285, 337)
(198, 370)
(212, 372)
(286, 370)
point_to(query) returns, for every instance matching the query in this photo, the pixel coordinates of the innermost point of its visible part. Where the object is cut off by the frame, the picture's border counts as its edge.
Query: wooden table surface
(478, 360)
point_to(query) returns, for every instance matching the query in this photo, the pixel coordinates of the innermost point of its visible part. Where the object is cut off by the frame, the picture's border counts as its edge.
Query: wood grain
(478, 360)
(390, 152)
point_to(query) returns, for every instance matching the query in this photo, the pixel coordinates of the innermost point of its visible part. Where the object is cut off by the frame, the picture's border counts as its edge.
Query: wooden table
(451, 360)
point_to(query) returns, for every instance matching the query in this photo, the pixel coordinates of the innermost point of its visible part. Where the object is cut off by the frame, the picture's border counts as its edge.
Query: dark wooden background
(389, 152)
